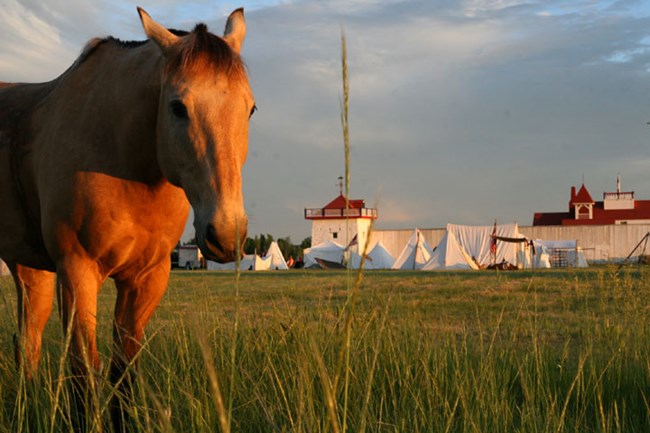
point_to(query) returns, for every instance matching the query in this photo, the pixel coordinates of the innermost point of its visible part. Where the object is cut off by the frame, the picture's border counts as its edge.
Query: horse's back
(17, 100)
(20, 234)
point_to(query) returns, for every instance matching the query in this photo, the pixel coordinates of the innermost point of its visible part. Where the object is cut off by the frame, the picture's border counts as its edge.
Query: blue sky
(461, 111)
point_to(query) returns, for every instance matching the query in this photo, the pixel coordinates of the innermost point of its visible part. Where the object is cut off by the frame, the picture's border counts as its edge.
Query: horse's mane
(135, 44)
(200, 44)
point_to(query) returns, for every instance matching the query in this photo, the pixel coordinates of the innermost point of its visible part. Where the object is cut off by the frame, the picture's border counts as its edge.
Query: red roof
(339, 203)
(550, 218)
(337, 209)
(583, 196)
(601, 216)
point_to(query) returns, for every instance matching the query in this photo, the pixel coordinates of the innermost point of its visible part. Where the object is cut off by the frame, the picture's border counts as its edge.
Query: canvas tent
(250, 262)
(328, 250)
(449, 255)
(415, 253)
(377, 258)
(534, 256)
(558, 253)
(468, 247)
(276, 258)
(4, 270)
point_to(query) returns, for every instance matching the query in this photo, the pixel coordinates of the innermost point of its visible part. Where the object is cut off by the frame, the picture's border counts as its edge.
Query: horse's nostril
(211, 237)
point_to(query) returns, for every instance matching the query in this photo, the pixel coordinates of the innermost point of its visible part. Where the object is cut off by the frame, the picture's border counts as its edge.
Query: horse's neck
(112, 99)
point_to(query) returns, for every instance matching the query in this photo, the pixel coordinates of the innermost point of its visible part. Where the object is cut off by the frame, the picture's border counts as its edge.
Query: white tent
(250, 262)
(328, 250)
(545, 250)
(261, 263)
(415, 253)
(4, 270)
(276, 257)
(449, 255)
(534, 256)
(469, 247)
(377, 258)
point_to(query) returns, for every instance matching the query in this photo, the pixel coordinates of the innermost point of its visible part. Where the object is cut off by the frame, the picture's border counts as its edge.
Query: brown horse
(98, 169)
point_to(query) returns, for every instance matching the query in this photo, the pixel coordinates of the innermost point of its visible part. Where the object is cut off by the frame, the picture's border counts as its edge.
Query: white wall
(607, 243)
(324, 230)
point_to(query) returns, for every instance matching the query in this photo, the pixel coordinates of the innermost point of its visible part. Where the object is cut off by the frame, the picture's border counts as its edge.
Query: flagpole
(493, 244)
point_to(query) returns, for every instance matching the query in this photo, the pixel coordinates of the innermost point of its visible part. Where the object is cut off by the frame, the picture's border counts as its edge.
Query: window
(335, 235)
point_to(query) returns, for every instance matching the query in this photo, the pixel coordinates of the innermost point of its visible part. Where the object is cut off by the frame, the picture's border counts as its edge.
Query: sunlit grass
(556, 351)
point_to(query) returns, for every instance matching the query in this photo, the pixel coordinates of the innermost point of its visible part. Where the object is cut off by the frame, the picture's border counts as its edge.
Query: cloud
(461, 110)
(475, 110)
(26, 32)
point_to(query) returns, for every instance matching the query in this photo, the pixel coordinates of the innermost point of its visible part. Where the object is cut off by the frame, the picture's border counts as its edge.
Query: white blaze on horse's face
(205, 106)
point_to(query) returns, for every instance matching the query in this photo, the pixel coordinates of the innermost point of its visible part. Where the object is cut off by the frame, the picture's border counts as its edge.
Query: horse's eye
(253, 110)
(178, 109)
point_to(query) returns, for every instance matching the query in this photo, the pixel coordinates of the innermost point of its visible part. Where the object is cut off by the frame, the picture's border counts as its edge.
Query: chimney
(573, 197)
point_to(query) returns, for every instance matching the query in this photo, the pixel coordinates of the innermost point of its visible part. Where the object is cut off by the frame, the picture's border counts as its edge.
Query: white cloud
(30, 49)
(475, 8)
(463, 110)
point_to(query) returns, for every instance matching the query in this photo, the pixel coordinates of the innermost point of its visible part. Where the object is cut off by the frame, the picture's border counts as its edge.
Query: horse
(98, 170)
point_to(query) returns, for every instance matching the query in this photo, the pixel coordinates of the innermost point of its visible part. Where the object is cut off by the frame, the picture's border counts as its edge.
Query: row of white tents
(272, 260)
(331, 252)
(462, 247)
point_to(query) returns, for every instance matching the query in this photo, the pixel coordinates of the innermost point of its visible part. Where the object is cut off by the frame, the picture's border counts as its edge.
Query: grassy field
(304, 351)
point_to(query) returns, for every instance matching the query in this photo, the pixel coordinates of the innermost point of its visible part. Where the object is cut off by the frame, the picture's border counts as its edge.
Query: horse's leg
(78, 283)
(35, 295)
(137, 299)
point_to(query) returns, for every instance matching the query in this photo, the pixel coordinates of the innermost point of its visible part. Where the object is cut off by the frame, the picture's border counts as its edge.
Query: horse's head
(205, 105)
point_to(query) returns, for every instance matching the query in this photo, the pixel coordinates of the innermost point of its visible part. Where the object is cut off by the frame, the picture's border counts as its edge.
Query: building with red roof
(343, 221)
(341, 208)
(616, 208)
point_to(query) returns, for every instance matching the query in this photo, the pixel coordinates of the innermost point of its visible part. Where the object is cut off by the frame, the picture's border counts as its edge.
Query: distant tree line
(260, 244)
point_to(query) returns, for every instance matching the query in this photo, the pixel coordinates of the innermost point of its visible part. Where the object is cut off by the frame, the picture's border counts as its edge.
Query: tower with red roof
(343, 221)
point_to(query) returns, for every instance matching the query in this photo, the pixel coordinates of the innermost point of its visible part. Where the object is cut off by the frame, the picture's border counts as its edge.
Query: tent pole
(644, 239)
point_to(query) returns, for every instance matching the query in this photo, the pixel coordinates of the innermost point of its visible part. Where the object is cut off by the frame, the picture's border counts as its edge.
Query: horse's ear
(235, 30)
(157, 33)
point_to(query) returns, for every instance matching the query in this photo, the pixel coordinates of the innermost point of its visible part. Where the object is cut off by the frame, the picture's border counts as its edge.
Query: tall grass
(450, 352)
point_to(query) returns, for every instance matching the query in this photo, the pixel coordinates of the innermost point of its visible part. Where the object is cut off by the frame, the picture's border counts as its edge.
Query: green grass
(551, 351)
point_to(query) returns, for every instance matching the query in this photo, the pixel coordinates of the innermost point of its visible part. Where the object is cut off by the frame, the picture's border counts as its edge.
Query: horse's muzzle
(222, 249)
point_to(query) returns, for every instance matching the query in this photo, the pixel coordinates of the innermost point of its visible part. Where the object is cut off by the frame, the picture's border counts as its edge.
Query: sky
(461, 111)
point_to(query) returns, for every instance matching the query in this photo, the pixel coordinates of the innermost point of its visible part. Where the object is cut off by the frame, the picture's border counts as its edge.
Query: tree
(249, 246)
(260, 244)
(288, 249)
